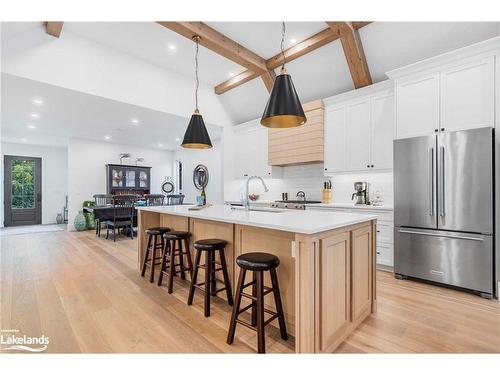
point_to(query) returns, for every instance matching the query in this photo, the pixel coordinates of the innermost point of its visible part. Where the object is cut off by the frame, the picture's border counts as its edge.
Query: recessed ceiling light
(177, 140)
(160, 144)
(107, 137)
(293, 40)
(32, 127)
(134, 121)
(231, 74)
(38, 101)
(172, 47)
(34, 115)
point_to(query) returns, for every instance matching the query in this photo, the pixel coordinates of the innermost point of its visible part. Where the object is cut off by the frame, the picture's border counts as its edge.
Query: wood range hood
(299, 145)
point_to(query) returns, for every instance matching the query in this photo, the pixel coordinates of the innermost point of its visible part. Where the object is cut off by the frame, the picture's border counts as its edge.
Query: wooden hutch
(127, 179)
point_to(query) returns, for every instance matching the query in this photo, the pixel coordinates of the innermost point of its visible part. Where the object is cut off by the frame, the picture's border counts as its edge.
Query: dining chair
(123, 215)
(154, 199)
(101, 200)
(174, 199)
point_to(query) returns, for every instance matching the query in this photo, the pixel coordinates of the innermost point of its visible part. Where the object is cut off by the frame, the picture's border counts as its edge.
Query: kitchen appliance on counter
(444, 209)
(361, 194)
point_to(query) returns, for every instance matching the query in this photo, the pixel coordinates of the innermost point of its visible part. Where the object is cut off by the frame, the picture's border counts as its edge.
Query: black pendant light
(196, 135)
(283, 109)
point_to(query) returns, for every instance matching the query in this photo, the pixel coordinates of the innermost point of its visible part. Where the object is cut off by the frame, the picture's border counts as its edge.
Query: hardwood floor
(86, 295)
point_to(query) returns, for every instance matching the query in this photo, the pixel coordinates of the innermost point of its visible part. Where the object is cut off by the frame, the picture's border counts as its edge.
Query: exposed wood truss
(224, 46)
(53, 28)
(312, 43)
(353, 50)
(219, 43)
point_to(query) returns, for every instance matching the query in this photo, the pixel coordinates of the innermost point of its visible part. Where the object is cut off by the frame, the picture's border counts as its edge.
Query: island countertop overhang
(297, 221)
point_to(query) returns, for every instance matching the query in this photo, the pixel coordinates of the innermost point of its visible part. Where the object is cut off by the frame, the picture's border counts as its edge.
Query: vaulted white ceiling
(319, 74)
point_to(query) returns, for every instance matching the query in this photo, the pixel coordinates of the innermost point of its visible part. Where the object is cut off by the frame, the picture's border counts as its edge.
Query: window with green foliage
(23, 184)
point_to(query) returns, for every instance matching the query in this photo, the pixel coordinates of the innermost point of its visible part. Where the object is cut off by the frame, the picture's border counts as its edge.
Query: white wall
(54, 176)
(79, 64)
(87, 172)
(212, 159)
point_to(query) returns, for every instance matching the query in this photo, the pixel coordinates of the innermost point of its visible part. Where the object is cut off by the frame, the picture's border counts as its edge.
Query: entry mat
(28, 229)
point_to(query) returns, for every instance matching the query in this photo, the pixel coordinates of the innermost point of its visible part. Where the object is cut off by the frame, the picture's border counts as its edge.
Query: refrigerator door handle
(441, 235)
(441, 185)
(431, 181)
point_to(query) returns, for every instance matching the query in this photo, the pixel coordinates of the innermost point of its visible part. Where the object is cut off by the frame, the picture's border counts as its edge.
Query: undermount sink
(261, 209)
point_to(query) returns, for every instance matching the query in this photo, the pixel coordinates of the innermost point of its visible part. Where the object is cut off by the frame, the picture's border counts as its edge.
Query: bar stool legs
(168, 265)
(150, 255)
(209, 286)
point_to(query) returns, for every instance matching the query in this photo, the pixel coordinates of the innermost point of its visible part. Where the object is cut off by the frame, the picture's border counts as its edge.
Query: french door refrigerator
(444, 209)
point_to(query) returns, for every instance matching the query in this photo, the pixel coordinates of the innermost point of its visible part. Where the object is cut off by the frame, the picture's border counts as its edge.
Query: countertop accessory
(198, 208)
(196, 135)
(253, 197)
(327, 195)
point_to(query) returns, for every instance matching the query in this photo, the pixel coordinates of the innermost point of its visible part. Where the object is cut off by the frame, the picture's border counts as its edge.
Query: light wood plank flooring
(86, 295)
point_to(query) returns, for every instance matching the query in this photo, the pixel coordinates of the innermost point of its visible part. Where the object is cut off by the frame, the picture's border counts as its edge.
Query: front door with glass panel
(22, 190)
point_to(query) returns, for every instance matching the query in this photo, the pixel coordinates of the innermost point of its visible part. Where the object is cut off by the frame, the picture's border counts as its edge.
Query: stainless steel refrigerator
(444, 209)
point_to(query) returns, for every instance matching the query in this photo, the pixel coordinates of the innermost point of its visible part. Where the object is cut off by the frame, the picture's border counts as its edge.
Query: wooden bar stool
(257, 263)
(209, 286)
(155, 242)
(168, 265)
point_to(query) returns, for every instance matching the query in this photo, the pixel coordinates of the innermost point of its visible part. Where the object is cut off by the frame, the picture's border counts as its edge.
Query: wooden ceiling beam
(353, 50)
(219, 43)
(53, 28)
(300, 49)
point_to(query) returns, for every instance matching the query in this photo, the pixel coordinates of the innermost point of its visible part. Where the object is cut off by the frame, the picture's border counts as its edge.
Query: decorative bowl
(253, 197)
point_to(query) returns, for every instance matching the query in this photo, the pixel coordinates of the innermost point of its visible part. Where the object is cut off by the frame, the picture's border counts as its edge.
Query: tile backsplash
(309, 178)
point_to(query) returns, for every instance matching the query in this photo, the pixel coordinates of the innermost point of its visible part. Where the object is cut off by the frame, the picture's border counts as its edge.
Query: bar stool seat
(157, 231)
(176, 235)
(258, 261)
(155, 242)
(210, 244)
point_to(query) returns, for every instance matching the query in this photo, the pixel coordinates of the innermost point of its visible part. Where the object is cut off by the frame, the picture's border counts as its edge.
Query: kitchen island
(327, 262)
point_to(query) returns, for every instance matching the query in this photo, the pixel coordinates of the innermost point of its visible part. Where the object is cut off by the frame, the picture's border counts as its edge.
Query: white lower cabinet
(385, 229)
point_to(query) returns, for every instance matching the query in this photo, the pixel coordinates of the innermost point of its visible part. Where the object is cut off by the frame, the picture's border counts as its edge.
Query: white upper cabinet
(251, 149)
(335, 140)
(358, 135)
(467, 96)
(383, 126)
(450, 92)
(359, 130)
(417, 106)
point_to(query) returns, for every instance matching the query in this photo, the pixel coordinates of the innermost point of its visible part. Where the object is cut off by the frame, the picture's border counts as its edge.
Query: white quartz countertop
(350, 206)
(298, 221)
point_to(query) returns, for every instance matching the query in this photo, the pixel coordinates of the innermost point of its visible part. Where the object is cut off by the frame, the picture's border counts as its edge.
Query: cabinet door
(417, 106)
(468, 96)
(335, 140)
(361, 272)
(358, 129)
(334, 279)
(382, 131)
(116, 177)
(130, 178)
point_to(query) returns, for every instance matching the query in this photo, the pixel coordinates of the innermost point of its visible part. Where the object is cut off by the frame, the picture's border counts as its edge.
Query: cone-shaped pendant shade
(283, 110)
(196, 135)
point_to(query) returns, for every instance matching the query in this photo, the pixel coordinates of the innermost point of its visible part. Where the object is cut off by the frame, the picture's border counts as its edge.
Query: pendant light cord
(196, 74)
(283, 30)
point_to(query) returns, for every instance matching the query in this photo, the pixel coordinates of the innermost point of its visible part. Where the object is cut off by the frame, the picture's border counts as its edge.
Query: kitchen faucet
(247, 200)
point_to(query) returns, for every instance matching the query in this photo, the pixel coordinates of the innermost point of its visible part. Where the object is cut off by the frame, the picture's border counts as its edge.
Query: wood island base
(327, 280)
